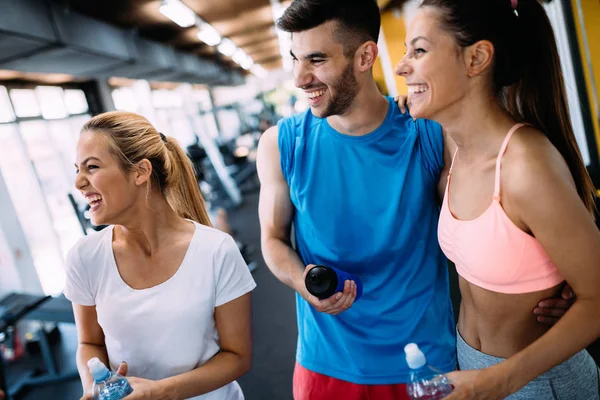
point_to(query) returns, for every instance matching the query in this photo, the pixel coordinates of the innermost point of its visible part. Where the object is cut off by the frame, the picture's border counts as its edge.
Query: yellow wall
(591, 16)
(394, 30)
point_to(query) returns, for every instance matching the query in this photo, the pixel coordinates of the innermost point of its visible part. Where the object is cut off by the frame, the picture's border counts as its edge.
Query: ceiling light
(247, 63)
(209, 35)
(243, 59)
(227, 47)
(178, 13)
(239, 56)
(258, 71)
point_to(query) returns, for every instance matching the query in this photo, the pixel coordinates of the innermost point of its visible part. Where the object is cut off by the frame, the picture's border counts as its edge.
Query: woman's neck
(478, 125)
(150, 223)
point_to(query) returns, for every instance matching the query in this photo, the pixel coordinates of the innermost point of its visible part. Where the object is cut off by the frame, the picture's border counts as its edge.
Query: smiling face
(107, 188)
(323, 71)
(434, 66)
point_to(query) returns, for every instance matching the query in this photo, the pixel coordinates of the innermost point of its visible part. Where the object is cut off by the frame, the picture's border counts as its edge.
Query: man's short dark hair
(358, 20)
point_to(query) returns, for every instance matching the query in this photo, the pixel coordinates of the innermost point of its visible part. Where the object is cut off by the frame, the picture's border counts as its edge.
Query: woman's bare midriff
(500, 324)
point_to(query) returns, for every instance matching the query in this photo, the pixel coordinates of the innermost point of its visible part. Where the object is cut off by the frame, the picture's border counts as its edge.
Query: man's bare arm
(276, 213)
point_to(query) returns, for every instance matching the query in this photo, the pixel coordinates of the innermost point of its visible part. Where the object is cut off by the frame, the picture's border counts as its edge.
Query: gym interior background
(213, 74)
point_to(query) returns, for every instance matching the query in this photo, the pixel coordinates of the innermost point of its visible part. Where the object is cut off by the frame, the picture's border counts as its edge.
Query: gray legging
(578, 378)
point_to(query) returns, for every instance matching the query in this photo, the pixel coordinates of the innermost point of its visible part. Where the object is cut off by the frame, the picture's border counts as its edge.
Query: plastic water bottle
(107, 385)
(323, 281)
(425, 382)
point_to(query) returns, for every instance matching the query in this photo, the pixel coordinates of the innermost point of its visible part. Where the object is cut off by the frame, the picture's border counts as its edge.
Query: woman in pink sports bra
(517, 212)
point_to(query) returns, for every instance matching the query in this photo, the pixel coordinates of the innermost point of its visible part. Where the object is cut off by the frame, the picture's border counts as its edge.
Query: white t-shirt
(168, 329)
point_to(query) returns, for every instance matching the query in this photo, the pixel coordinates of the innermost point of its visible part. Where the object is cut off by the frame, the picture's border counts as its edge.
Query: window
(32, 209)
(6, 111)
(51, 102)
(75, 101)
(125, 100)
(164, 108)
(25, 103)
(163, 98)
(38, 135)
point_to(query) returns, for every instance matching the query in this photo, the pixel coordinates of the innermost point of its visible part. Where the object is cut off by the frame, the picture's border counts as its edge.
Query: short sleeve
(286, 139)
(432, 143)
(77, 287)
(232, 274)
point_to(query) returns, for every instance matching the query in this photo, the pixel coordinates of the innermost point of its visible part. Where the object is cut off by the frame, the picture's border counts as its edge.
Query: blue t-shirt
(367, 205)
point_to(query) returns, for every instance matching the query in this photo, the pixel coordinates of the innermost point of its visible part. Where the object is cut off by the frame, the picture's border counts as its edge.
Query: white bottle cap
(414, 356)
(98, 370)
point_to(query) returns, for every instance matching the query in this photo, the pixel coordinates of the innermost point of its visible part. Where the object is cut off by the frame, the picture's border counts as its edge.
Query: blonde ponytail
(182, 190)
(132, 138)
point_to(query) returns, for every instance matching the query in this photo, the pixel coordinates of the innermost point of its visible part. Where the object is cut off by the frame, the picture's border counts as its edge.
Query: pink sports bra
(490, 251)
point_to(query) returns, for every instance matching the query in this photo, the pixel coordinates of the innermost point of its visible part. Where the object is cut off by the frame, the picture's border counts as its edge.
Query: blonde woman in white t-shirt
(159, 288)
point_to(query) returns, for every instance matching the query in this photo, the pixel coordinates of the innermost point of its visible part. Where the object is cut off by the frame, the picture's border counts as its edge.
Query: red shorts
(310, 385)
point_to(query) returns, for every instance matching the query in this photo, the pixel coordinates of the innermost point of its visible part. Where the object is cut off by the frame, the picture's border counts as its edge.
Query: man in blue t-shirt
(357, 179)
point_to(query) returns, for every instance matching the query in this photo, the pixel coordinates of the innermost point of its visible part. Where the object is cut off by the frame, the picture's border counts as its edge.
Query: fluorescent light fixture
(227, 48)
(209, 35)
(243, 59)
(247, 63)
(178, 13)
(239, 56)
(258, 71)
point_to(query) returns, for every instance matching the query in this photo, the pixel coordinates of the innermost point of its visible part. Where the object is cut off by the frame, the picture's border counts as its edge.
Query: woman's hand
(403, 105)
(122, 370)
(142, 388)
(145, 389)
(488, 384)
(402, 102)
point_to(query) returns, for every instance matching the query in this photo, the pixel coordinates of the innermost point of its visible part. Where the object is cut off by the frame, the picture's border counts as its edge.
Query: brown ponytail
(132, 138)
(539, 97)
(527, 75)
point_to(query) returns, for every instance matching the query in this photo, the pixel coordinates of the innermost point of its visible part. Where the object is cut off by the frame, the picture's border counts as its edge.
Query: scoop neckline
(115, 267)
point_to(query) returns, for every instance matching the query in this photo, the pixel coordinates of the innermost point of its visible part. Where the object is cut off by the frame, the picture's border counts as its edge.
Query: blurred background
(213, 74)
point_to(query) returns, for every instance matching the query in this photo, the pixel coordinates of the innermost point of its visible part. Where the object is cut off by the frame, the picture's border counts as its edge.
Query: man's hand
(549, 311)
(333, 305)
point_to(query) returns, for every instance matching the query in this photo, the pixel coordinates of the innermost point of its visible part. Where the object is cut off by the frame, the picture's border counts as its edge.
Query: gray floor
(274, 328)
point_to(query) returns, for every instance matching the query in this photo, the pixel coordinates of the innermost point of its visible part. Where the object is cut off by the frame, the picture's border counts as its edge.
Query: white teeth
(312, 95)
(413, 89)
(93, 198)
